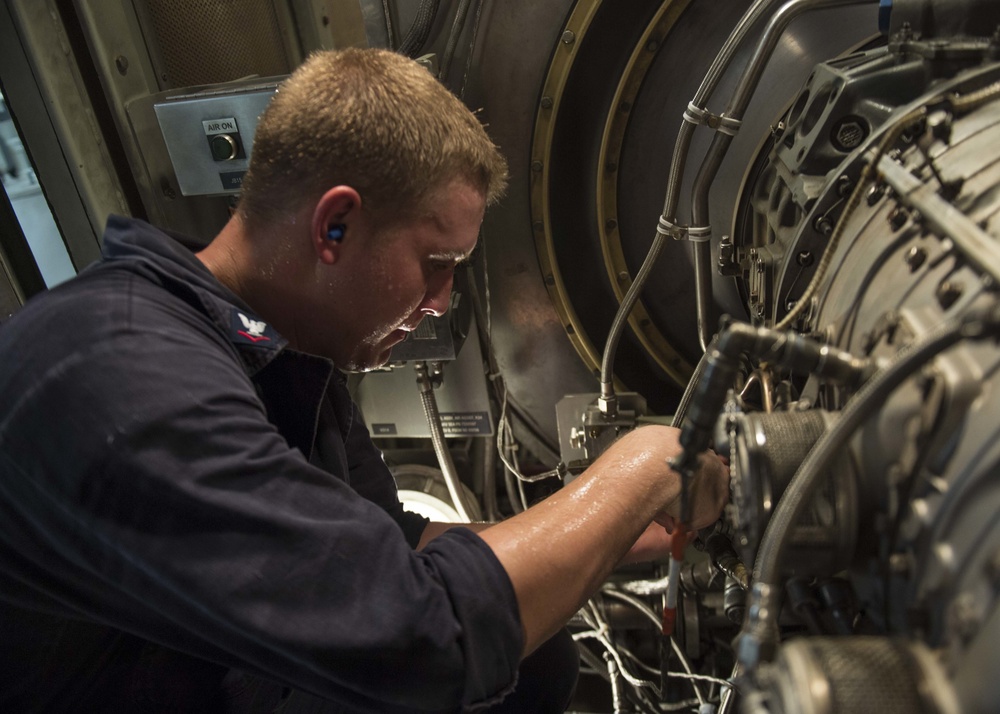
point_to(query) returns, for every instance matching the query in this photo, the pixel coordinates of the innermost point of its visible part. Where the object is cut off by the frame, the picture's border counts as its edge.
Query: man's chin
(369, 358)
(370, 364)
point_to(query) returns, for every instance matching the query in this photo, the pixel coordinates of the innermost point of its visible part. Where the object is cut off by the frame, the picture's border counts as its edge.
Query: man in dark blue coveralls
(194, 516)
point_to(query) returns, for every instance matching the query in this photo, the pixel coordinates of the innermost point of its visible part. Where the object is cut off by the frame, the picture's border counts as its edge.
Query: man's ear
(336, 213)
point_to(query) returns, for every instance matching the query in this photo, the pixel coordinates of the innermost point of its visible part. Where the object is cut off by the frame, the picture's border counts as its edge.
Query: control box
(209, 134)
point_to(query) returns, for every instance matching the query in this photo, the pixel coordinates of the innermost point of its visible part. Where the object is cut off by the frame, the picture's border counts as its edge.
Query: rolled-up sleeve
(490, 649)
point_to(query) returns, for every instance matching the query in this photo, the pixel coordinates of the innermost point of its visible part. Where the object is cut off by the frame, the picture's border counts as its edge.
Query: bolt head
(915, 257)
(848, 133)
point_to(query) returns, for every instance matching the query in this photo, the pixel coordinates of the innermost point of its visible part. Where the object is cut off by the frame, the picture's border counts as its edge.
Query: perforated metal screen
(212, 41)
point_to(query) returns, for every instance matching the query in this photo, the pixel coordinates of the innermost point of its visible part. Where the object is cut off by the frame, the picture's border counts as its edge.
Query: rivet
(568, 37)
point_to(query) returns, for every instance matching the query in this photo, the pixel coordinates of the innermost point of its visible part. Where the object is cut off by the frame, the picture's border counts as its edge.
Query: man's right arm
(558, 553)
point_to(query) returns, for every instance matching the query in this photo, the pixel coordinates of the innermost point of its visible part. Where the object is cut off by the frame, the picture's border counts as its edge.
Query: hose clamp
(694, 114)
(728, 125)
(670, 230)
(720, 122)
(699, 234)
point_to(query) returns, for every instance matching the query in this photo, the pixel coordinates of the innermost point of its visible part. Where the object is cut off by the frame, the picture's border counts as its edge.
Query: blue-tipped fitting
(884, 13)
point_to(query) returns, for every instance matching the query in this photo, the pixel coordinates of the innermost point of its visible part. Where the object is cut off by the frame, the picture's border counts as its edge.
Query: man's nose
(437, 299)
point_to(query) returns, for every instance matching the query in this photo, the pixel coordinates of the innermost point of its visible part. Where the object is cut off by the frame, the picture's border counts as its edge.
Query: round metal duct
(605, 116)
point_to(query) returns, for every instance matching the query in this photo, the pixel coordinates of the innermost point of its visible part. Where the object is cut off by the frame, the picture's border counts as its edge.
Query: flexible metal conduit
(759, 636)
(694, 115)
(429, 402)
(864, 180)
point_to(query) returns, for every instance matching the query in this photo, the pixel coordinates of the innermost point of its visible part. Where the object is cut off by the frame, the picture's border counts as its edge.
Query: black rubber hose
(420, 30)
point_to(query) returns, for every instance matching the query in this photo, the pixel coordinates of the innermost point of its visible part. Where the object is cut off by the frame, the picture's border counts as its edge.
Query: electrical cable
(602, 671)
(653, 618)
(472, 49)
(390, 34)
(864, 180)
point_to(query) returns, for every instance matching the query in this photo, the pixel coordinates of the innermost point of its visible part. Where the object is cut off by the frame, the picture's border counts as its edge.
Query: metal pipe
(693, 116)
(703, 292)
(490, 508)
(389, 32)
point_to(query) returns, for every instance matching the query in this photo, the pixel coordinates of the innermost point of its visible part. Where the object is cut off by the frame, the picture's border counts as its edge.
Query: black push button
(225, 147)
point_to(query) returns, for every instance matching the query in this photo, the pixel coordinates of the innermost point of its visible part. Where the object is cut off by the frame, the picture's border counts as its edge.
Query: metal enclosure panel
(188, 124)
(125, 66)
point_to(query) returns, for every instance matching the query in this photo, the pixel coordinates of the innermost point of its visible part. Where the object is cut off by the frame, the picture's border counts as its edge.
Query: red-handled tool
(678, 543)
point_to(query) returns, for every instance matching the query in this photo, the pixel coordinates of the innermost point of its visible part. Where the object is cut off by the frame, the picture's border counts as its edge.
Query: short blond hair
(371, 119)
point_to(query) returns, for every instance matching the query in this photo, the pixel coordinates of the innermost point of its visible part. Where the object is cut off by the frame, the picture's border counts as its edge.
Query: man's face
(403, 274)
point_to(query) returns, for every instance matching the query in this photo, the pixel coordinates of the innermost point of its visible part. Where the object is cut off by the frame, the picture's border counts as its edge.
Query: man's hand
(709, 492)
(649, 449)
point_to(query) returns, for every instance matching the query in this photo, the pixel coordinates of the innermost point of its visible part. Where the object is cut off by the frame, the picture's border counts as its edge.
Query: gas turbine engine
(859, 404)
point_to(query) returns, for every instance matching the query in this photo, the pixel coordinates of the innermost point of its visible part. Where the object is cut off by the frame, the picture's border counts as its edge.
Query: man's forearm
(558, 552)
